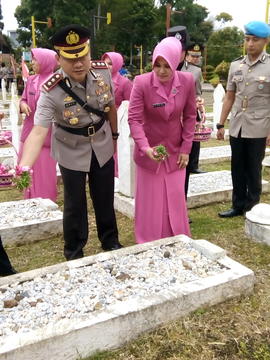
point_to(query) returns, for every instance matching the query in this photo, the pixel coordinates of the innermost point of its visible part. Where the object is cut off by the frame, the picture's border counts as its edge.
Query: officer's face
(108, 61)
(193, 59)
(77, 69)
(254, 45)
(162, 69)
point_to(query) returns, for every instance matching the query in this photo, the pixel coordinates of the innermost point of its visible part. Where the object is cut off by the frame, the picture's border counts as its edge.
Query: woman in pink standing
(44, 179)
(122, 85)
(162, 111)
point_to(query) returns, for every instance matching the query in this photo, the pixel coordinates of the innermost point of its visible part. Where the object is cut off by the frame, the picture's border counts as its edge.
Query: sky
(8, 9)
(242, 11)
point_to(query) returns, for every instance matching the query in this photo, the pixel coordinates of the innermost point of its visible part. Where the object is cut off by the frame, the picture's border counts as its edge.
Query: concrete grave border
(122, 322)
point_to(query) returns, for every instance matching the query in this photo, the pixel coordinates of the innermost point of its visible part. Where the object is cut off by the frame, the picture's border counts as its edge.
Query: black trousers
(75, 221)
(5, 265)
(246, 168)
(193, 162)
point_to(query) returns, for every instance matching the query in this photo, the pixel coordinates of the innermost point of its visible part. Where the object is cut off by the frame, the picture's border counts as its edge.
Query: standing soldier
(186, 63)
(248, 98)
(79, 100)
(191, 64)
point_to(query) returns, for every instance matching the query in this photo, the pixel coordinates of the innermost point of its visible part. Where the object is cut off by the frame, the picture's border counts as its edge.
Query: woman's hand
(182, 160)
(150, 152)
(25, 109)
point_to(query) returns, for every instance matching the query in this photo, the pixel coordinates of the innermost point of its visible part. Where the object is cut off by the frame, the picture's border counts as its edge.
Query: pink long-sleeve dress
(161, 115)
(44, 179)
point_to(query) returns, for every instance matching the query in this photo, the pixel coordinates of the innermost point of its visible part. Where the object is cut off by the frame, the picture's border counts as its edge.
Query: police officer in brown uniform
(248, 99)
(191, 64)
(79, 100)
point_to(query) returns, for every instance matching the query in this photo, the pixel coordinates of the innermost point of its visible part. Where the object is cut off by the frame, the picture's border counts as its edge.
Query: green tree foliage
(225, 44)
(224, 17)
(61, 11)
(132, 24)
(192, 16)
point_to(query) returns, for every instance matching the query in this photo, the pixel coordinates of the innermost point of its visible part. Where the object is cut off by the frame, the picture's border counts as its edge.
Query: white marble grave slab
(29, 220)
(214, 186)
(6, 154)
(215, 154)
(124, 315)
(257, 232)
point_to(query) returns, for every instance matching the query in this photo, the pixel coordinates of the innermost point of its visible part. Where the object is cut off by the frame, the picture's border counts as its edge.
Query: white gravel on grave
(210, 182)
(74, 293)
(20, 212)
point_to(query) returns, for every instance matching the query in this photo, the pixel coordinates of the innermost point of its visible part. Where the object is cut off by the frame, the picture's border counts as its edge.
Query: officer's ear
(57, 57)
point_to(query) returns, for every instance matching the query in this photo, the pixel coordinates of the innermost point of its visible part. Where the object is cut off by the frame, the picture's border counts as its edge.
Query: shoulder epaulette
(239, 58)
(98, 64)
(52, 81)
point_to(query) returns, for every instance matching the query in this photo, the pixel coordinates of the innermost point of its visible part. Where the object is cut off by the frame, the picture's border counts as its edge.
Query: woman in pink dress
(162, 111)
(44, 179)
(122, 86)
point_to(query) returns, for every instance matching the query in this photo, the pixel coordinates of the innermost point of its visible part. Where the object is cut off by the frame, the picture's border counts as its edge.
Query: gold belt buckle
(91, 130)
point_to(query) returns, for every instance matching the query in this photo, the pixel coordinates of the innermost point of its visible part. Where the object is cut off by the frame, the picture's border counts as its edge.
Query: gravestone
(126, 166)
(257, 224)
(218, 95)
(4, 91)
(29, 220)
(76, 308)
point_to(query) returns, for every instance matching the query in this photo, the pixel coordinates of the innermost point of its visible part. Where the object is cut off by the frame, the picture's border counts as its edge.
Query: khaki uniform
(251, 83)
(197, 73)
(249, 127)
(193, 163)
(69, 150)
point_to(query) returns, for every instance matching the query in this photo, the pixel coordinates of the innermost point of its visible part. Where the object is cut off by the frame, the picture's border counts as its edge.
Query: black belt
(89, 130)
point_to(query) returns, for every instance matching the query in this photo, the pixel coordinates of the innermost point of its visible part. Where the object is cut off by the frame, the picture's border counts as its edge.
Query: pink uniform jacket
(151, 122)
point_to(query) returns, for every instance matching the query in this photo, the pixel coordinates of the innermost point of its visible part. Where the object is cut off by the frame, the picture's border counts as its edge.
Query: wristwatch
(219, 126)
(115, 135)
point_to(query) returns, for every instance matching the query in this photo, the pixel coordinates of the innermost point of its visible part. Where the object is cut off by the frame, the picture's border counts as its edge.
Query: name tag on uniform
(238, 72)
(67, 105)
(32, 93)
(158, 105)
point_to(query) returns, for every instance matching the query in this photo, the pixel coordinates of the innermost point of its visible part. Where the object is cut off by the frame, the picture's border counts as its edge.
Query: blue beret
(257, 28)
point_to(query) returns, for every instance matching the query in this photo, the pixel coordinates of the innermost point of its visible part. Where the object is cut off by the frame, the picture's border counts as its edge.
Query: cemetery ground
(238, 329)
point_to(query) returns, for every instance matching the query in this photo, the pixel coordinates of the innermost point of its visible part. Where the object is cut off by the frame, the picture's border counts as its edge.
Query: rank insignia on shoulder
(52, 81)
(239, 58)
(98, 64)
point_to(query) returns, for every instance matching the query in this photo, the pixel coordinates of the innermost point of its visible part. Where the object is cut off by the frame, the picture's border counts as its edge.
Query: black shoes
(198, 171)
(8, 271)
(230, 213)
(113, 245)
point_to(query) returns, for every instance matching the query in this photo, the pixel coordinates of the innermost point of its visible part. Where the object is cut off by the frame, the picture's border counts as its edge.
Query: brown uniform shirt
(251, 109)
(56, 106)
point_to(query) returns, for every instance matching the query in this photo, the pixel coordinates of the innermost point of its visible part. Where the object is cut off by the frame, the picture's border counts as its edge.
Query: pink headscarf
(117, 62)
(47, 64)
(170, 49)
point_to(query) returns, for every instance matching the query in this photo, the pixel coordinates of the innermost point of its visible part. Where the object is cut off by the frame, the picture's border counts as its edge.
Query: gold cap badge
(72, 38)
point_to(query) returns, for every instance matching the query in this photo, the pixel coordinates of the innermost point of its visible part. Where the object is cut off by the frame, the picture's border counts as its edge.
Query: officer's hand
(25, 109)
(220, 134)
(268, 140)
(182, 160)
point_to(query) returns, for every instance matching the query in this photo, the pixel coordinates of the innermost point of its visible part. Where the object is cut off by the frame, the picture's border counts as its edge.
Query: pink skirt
(160, 205)
(44, 179)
